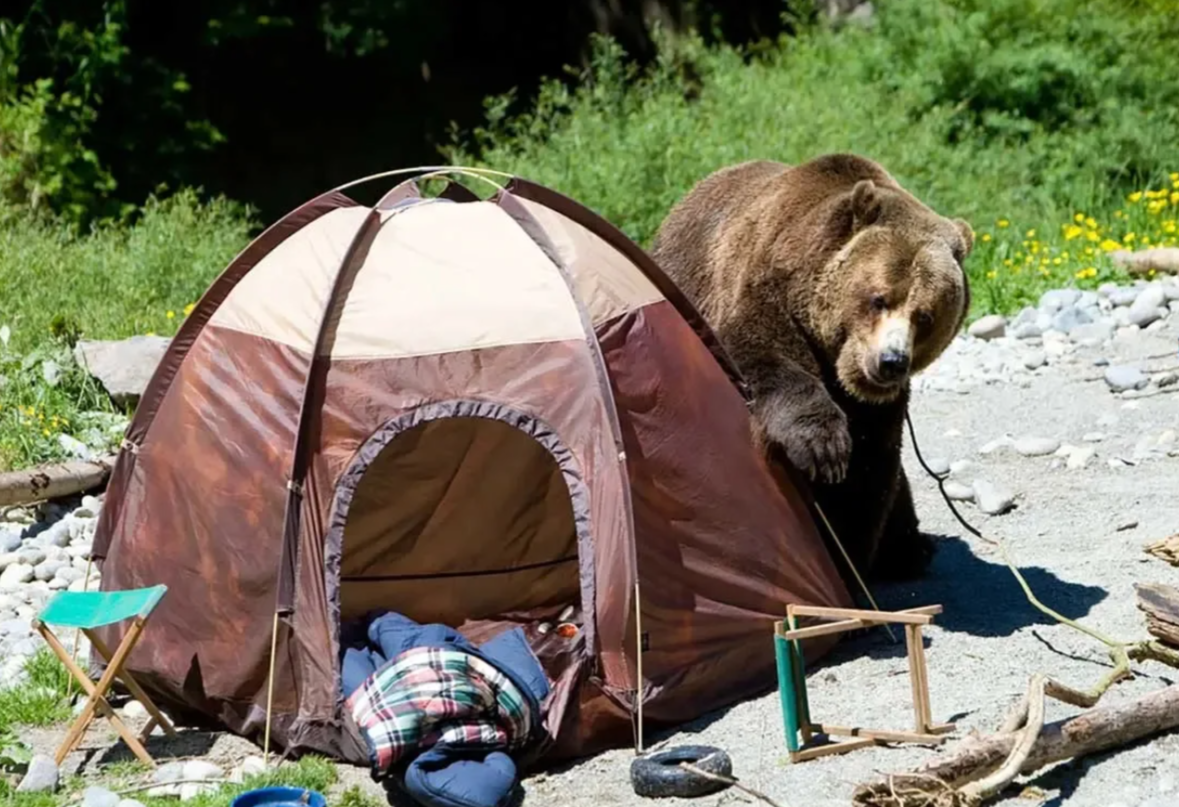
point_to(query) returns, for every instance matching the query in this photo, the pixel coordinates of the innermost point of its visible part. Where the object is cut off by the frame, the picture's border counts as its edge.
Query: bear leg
(905, 552)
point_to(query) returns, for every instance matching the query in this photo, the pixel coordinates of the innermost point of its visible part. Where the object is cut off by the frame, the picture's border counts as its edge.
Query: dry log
(1143, 261)
(53, 481)
(1166, 549)
(1090, 732)
(1161, 605)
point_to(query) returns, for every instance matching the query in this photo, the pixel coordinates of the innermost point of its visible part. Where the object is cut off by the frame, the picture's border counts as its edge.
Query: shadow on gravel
(982, 598)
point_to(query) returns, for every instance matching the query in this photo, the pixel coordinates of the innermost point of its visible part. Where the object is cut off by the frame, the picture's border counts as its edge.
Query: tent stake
(638, 665)
(270, 692)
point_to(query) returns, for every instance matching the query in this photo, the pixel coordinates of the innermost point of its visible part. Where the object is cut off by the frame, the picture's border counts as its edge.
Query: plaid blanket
(432, 695)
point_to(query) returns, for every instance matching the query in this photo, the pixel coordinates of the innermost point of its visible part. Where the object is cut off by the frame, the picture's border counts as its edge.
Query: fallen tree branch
(1144, 261)
(53, 481)
(1167, 549)
(934, 785)
(992, 784)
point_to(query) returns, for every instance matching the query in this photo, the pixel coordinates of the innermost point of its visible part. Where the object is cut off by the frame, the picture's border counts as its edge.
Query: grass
(41, 700)
(312, 772)
(110, 283)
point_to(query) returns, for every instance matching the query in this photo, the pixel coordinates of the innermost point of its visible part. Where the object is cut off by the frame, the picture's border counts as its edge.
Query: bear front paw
(817, 442)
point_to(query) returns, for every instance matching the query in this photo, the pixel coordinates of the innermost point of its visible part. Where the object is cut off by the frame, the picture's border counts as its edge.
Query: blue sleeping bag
(443, 776)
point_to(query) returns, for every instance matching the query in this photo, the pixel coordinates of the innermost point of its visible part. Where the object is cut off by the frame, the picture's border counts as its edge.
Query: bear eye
(924, 319)
(878, 302)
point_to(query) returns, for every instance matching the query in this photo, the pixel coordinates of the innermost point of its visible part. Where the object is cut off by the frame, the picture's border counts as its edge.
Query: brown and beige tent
(473, 410)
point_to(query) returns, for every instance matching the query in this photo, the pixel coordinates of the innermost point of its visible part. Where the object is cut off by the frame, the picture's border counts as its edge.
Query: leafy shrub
(1027, 111)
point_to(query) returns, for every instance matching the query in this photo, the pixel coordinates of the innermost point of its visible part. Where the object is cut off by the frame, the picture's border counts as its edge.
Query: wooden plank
(841, 747)
(1160, 603)
(878, 617)
(880, 734)
(825, 629)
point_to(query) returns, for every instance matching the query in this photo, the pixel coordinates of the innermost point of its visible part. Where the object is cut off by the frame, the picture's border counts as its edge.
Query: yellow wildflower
(189, 308)
(1078, 218)
(1003, 223)
(1056, 261)
(1109, 245)
(1175, 198)
(170, 315)
(1044, 272)
(1008, 262)
(986, 237)
(1118, 214)
(991, 275)
(1091, 223)
(1031, 233)
(1092, 235)
(1129, 238)
(45, 432)
(1071, 232)
(1175, 176)
(1135, 197)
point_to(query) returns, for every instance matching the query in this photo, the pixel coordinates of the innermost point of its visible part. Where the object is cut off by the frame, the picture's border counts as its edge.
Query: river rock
(1123, 297)
(1120, 378)
(958, 492)
(95, 796)
(992, 499)
(41, 777)
(1035, 360)
(1058, 299)
(989, 327)
(1036, 446)
(15, 575)
(122, 367)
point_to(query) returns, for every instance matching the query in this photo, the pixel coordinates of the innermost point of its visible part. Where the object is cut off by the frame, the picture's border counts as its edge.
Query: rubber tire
(659, 775)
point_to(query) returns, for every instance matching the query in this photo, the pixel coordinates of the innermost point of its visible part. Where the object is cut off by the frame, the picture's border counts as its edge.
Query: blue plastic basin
(280, 797)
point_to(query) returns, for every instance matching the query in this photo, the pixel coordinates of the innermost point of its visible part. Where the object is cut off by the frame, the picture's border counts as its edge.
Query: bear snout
(892, 365)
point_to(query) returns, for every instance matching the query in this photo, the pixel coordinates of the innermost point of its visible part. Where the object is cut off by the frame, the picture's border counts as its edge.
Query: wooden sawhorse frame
(800, 730)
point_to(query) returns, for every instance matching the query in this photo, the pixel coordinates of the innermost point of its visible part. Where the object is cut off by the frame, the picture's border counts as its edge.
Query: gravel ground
(1069, 412)
(1077, 533)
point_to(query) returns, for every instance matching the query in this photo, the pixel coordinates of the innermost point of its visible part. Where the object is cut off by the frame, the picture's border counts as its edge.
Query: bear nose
(893, 364)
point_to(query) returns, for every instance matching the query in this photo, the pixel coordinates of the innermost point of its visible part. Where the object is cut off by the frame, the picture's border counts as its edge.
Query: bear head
(891, 292)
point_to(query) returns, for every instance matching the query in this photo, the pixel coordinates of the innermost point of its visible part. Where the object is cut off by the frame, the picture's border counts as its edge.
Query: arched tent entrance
(465, 492)
(354, 352)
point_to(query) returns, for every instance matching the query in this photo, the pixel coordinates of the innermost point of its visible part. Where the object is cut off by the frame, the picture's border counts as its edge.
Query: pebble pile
(1038, 339)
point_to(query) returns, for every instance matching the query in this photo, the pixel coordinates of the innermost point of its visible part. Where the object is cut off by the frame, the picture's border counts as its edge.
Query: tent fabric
(478, 411)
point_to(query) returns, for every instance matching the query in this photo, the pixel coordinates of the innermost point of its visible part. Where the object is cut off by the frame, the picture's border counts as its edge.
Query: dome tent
(475, 411)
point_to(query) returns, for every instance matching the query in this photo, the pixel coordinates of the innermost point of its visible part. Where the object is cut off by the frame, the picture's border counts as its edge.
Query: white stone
(958, 492)
(1036, 446)
(992, 499)
(16, 574)
(134, 710)
(1080, 457)
(1092, 437)
(989, 327)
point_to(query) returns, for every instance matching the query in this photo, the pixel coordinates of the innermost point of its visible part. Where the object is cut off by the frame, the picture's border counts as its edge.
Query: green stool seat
(96, 609)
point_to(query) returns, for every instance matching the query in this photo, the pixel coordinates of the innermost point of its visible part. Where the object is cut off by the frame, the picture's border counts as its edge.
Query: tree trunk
(1087, 733)
(53, 481)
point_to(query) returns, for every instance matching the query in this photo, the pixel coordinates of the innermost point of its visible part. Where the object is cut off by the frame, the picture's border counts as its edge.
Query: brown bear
(830, 285)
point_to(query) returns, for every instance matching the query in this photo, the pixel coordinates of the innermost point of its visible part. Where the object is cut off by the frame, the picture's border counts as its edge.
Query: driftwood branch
(729, 781)
(53, 481)
(1088, 733)
(1160, 603)
(1143, 261)
(1166, 549)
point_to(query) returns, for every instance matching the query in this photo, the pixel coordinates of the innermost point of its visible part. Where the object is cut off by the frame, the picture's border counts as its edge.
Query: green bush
(115, 281)
(1027, 111)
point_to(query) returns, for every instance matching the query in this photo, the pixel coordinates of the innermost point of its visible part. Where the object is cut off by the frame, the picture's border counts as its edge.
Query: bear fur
(830, 285)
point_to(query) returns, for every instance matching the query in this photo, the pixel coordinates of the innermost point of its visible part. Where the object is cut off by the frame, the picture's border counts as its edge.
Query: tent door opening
(462, 520)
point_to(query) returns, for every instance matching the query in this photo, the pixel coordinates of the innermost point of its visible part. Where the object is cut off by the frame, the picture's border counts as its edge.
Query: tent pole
(639, 668)
(270, 691)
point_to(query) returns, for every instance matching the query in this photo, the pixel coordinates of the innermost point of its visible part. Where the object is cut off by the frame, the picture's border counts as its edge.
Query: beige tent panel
(281, 299)
(441, 278)
(437, 278)
(606, 282)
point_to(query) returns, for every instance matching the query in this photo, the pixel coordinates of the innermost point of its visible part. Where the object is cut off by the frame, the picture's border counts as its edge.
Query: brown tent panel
(473, 411)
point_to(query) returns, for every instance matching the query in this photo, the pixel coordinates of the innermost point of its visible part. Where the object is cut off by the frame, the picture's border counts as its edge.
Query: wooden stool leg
(917, 677)
(157, 717)
(96, 700)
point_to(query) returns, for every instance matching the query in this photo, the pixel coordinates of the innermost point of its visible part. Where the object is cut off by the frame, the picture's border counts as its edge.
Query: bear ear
(967, 236)
(865, 201)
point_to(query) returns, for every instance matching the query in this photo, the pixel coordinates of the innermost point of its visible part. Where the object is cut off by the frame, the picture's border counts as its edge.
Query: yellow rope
(855, 571)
